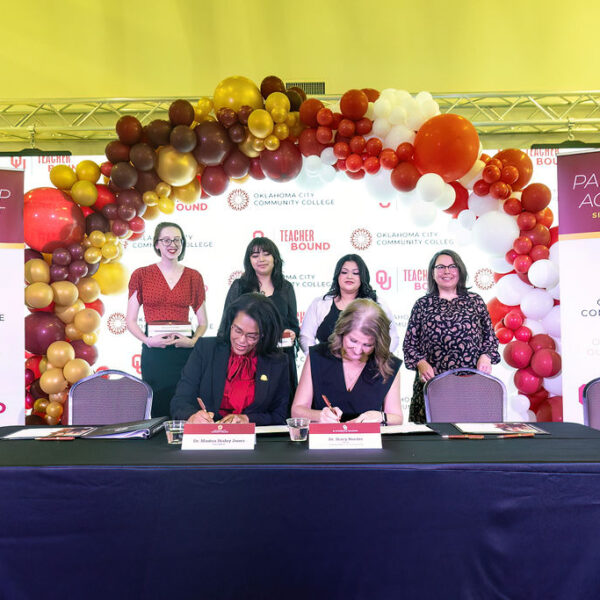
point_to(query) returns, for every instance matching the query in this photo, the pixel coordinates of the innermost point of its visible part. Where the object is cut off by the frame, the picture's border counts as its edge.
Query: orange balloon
(519, 159)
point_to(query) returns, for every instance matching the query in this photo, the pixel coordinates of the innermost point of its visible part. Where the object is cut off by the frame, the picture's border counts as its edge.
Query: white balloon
(551, 321)
(519, 403)
(473, 174)
(327, 173)
(554, 253)
(382, 107)
(536, 327)
(543, 274)
(370, 114)
(499, 264)
(464, 237)
(495, 232)
(381, 127)
(328, 157)
(409, 103)
(430, 186)
(467, 219)
(482, 204)
(423, 214)
(554, 385)
(398, 135)
(536, 304)
(415, 118)
(380, 185)
(423, 97)
(389, 94)
(307, 181)
(397, 116)
(555, 291)
(312, 164)
(402, 97)
(446, 200)
(510, 289)
(531, 417)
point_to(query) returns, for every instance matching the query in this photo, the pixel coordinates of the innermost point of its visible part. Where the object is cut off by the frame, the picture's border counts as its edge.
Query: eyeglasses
(251, 338)
(169, 241)
(440, 268)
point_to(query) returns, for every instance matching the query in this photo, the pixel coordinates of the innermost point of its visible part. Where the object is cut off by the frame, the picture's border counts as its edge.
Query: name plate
(336, 436)
(215, 436)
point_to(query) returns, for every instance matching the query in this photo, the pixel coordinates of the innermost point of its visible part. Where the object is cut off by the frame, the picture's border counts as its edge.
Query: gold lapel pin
(264, 378)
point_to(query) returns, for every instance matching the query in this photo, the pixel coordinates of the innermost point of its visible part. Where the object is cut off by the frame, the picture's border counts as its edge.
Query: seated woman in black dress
(240, 376)
(355, 371)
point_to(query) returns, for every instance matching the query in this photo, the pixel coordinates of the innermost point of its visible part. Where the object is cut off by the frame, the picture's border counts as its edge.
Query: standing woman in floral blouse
(448, 328)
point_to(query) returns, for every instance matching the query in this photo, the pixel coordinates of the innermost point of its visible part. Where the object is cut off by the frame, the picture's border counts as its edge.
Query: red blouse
(239, 384)
(160, 302)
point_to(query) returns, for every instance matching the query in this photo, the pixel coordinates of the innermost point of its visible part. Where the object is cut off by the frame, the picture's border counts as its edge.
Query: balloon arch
(434, 161)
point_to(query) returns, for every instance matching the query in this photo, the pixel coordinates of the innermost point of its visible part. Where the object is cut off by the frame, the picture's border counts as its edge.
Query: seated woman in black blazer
(240, 376)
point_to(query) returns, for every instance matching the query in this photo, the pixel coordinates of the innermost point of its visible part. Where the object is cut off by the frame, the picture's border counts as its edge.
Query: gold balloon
(110, 251)
(53, 381)
(54, 410)
(40, 405)
(166, 205)
(87, 320)
(85, 242)
(90, 338)
(203, 108)
(292, 119)
(152, 212)
(111, 237)
(51, 421)
(76, 369)
(88, 170)
(176, 168)
(240, 179)
(67, 313)
(163, 189)
(72, 332)
(60, 397)
(92, 255)
(113, 278)
(188, 194)
(65, 292)
(258, 144)
(97, 238)
(63, 177)
(37, 269)
(38, 295)
(277, 100)
(60, 353)
(150, 198)
(279, 115)
(260, 123)
(84, 193)
(235, 92)
(281, 130)
(44, 364)
(271, 142)
(247, 148)
(89, 289)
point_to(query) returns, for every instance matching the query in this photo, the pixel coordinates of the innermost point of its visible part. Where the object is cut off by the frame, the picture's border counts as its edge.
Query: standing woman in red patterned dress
(166, 290)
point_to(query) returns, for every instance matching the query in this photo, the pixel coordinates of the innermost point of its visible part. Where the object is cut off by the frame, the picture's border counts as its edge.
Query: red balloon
(536, 197)
(545, 217)
(405, 176)
(504, 335)
(553, 235)
(539, 252)
(214, 180)
(461, 202)
(405, 151)
(523, 334)
(546, 362)
(526, 381)
(346, 128)
(82, 350)
(542, 340)
(509, 174)
(325, 117)
(500, 190)
(388, 159)
(448, 145)
(372, 94)
(526, 221)
(481, 188)
(497, 310)
(97, 305)
(491, 174)
(375, 146)
(371, 165)
(51, 220)
(514, 319)
(356, 175)
(550, 409)
(539, 235)
(512, 206)
(522, 245)
(517, 354)
(522, 263)
(309, 144)
(41, 329)
(536, 399)
(354, 104)
(354, 163)
(33, 363)
(308, 112)
(520, 160)
(364, 126)
(283, 164)
(255, 171)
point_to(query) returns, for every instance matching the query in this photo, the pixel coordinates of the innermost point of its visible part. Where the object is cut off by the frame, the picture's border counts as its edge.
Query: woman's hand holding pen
(202, 416)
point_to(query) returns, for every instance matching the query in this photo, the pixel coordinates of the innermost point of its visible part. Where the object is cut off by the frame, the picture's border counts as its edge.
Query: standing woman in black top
(263, 274)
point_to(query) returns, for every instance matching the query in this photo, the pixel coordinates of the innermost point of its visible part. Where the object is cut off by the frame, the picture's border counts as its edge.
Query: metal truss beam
(84, 126)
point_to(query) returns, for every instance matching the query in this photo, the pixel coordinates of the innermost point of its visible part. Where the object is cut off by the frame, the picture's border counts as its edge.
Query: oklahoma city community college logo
(484, 279)
(116, 323)
(235, 275)
(238, 199)
(361, 238)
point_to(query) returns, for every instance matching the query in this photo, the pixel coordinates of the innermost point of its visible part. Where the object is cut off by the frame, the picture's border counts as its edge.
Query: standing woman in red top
(166, 290)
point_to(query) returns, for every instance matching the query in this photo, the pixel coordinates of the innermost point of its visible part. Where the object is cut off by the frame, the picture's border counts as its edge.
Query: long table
(422, 518)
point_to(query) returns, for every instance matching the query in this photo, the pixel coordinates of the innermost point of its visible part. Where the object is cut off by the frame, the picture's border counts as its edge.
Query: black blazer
(204, 376)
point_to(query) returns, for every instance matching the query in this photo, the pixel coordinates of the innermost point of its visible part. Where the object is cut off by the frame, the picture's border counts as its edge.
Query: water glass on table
(174, 431)
(298, 429)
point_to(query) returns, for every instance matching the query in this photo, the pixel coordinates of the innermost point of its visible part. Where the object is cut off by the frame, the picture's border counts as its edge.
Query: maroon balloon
(158, 133)
(29, 377)
(143, 157)
(76, 251)
(119, 227)
(181, 112)
(117, 151)
(126, 213)
(30, 254)
(213, 143)
(147, 181)
(256, 171)
(124, 175)
(183, 139)
(214, 181)
(61, 256)
(236, 164)
(227, 117)
(237, 133)
(97, 221)
(129, 130)
(110, 211)
(29, 400)
(78, 268)
(82, 350)
(37, 391)
(41, 330)
(51, 220)
(92, 268)
(243, 114)
(58, 273)
(283, 164)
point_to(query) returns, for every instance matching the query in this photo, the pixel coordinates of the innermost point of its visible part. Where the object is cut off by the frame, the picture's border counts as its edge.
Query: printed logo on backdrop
(303, 240)
(484, 279)
(52, 161)
(593, 311)
(416, 279)
(385, 205)
(235, 275)
(18, 162)
(308, 279)
(361, 238)
(2, 407)
(136, 363)
(238, 199)
(384, 281)
(258, 233)
(116, 323)
(543, 156)
(411, 238)
(195, 207)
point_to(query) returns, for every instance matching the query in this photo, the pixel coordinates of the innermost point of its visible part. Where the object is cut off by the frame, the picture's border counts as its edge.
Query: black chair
(591, 403)
(109, 397)
(465, 395)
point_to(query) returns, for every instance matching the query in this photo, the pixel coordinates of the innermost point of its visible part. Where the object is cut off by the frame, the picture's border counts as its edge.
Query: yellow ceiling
(120, 48)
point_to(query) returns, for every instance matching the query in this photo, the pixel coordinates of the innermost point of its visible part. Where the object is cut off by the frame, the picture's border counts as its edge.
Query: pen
(328, 403)
(515, 435)
(201, 403)
(462, 437)
(55, 439)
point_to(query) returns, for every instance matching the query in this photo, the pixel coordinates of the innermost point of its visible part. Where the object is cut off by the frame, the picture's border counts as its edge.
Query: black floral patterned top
(448, 334)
